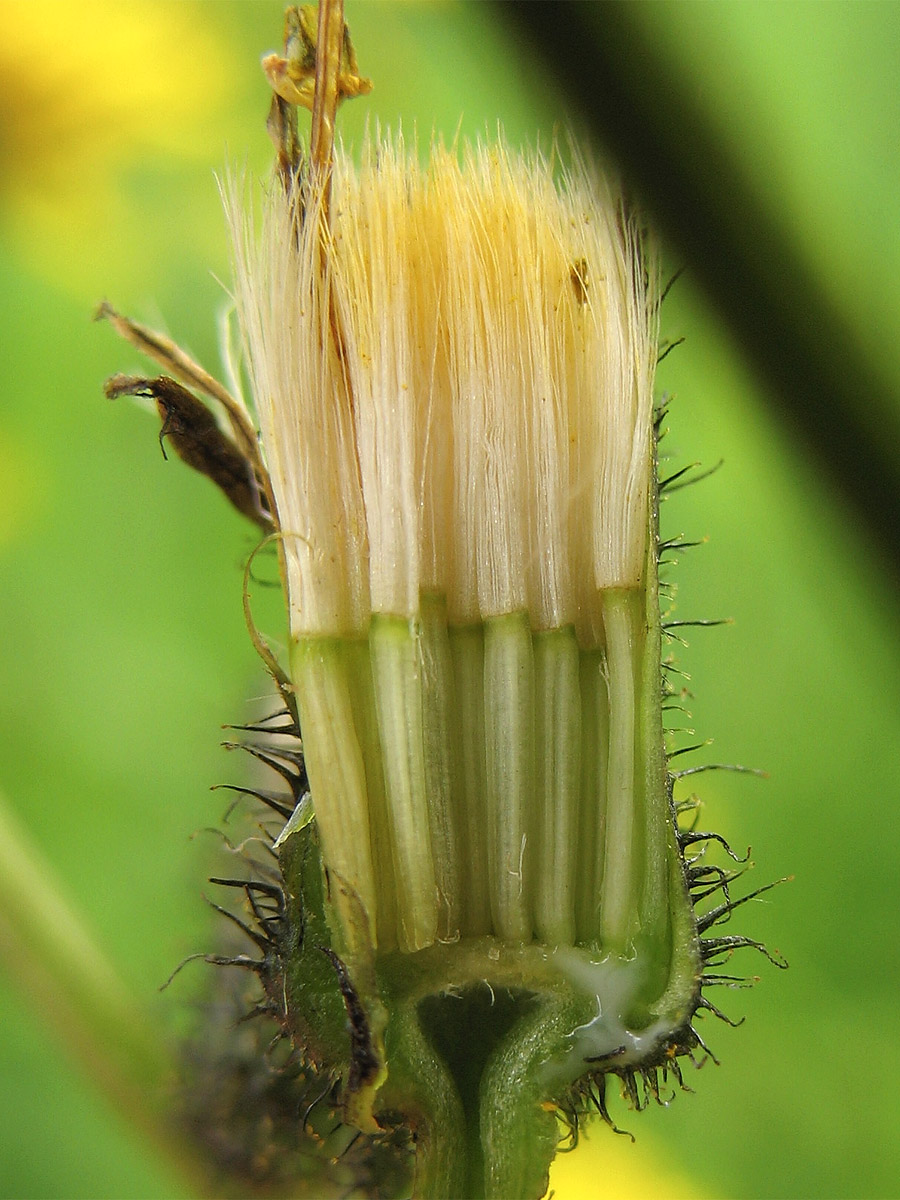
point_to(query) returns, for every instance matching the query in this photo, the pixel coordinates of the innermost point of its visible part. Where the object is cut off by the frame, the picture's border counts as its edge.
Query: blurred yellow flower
(92, 91)
(605, 1167)
(24, 489)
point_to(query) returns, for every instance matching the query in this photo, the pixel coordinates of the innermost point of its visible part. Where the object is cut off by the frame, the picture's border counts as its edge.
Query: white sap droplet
(614, 983)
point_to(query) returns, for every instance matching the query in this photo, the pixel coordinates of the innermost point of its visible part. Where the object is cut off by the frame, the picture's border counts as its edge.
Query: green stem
(480, 1045)
(421, 1087)
(65, 977)
(519, 1131)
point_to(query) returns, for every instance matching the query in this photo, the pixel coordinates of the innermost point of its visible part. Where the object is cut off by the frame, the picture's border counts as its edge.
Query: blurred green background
(124, 648)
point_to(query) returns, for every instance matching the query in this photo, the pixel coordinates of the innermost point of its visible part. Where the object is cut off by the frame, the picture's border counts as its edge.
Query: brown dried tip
(198, 441)
(317, 71)
(292, 76)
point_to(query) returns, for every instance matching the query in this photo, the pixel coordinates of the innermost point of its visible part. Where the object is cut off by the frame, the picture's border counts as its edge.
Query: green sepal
(330, 998)
(311, 993)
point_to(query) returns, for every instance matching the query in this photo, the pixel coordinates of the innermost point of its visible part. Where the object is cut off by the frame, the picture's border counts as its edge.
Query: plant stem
(66, 979)
(518, 1128)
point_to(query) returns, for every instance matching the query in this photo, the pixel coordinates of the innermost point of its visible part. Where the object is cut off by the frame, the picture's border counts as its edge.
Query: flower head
(453, 376)
(464, 392)
(93, 94)
(452, 370)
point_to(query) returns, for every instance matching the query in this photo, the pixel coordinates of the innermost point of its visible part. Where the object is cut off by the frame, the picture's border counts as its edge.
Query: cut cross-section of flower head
(452, 366)
(475, 905)
(454, 383)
